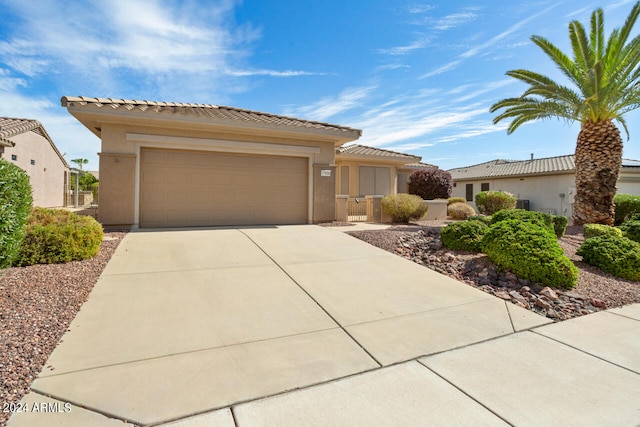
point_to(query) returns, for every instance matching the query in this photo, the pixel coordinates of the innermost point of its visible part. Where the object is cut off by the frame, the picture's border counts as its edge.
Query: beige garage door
(199, 188)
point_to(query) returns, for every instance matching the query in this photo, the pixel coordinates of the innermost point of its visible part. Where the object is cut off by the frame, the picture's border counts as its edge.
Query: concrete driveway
(303, 325)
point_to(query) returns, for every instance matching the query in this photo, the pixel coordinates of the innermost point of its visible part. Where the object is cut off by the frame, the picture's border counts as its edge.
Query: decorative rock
(543, 304)
(598, 303)
(504, 295)
(516, 296)
(549, 293)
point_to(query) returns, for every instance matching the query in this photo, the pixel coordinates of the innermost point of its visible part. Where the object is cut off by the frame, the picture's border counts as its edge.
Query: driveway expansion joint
(313, 299)
(587, 353)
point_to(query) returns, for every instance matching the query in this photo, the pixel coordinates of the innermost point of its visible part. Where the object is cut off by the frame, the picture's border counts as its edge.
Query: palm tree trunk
(598, 160)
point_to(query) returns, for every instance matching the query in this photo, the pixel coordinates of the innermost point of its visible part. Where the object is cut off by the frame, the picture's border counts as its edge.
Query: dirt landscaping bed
(37, 304)
(595, 290)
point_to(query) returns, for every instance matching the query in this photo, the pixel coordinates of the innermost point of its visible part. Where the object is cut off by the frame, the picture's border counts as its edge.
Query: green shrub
(464, 236)
(453, 200)
(538, 218)
(482, 218)
(631, 230)
(95, 189)
(560, 223)
(15, 206)
(430, 184)
(404, 207)
(460, 211)
(56, 236)
(616, 255)
(490, 202)
(595, 230)
(531, 252)
(626, 205)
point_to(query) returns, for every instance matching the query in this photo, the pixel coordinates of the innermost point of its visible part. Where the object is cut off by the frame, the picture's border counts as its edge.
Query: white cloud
(330, 106)
(403, 50)
(454, 20)
(442, 69)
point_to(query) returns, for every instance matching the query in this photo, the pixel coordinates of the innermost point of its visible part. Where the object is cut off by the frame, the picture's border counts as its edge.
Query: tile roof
(227, 114)
(502, 168)
(10, 127)
(420, 165)
(363, 150)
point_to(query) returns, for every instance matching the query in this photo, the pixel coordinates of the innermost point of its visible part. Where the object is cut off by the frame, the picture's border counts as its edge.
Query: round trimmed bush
(430, 184)
(631, 230)
(15, 205)
(626, 205)
(531, 252)
(595, 230)
(55, 236)
(613, 254)
(532, 217)
(460, 211)
(404, 207)
(464, 236)
(490, 202)
(453, 200)
(482, 218)
(560, 223)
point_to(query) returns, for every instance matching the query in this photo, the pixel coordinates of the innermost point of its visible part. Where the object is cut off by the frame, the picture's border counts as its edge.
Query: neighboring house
(171, 164)
(366, 171)
(25, 143)
(545, 185)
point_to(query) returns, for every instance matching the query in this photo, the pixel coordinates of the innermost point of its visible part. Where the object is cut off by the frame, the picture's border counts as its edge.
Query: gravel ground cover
(595, 290)
(37, 304)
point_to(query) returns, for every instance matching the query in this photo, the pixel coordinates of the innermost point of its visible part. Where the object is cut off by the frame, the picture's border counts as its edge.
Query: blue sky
(416, 77)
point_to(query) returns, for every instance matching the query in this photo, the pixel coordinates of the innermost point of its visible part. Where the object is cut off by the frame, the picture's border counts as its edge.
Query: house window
(374, 181)
(14, 157)
(469, 192)
(33, 162)
(403, 183)
(484, 186)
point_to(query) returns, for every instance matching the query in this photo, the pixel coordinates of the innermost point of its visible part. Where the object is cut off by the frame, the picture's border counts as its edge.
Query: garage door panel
(183, 188)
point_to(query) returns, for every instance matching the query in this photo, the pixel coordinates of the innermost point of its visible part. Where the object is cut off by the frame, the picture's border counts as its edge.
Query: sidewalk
(300, 325)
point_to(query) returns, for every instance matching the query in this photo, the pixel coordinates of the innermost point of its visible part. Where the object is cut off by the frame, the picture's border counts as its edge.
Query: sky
(416, 77)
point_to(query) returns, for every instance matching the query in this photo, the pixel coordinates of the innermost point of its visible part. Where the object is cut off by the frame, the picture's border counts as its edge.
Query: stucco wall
(118, 177)
(47, 174)
(543, 192)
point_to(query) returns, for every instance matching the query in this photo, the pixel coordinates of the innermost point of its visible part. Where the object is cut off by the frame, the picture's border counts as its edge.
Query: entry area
(181, 188)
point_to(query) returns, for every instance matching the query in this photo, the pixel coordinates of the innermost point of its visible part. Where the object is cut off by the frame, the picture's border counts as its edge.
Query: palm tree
(80, 162)
(606, 77)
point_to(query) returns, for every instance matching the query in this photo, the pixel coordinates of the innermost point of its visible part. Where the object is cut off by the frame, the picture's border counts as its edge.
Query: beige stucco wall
(629, 181)
(47, 175)
(119, 163)
(543, 192)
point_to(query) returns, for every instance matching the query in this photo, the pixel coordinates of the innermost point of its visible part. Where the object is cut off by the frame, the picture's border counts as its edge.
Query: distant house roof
(219, 113)
(357, 150)
(11, 127)
(420, 165)
(505, 168)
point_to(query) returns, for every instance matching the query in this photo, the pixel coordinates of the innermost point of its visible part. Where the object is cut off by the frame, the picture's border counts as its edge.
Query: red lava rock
(596, 302)
(549, 293)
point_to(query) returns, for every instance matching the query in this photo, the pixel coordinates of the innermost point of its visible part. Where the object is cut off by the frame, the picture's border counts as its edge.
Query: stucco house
(545, 184)
(27, 144)
(363, 170)
(166, 164)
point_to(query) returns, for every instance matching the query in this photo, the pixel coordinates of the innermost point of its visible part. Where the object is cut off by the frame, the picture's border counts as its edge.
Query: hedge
(626, 205)
(530, 251)
(613, 254)
(490, 202)
(430, 184)
(15, 205)
(57, 236)
(464, 236)
(595, 230)
(460, 211)
(404, 207)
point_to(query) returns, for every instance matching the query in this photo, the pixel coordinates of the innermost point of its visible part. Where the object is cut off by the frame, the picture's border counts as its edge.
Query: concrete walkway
(307, 326)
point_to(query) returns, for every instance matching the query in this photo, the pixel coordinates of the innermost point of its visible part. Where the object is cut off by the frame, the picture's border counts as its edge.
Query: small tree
(80, 162)
(431, 184)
